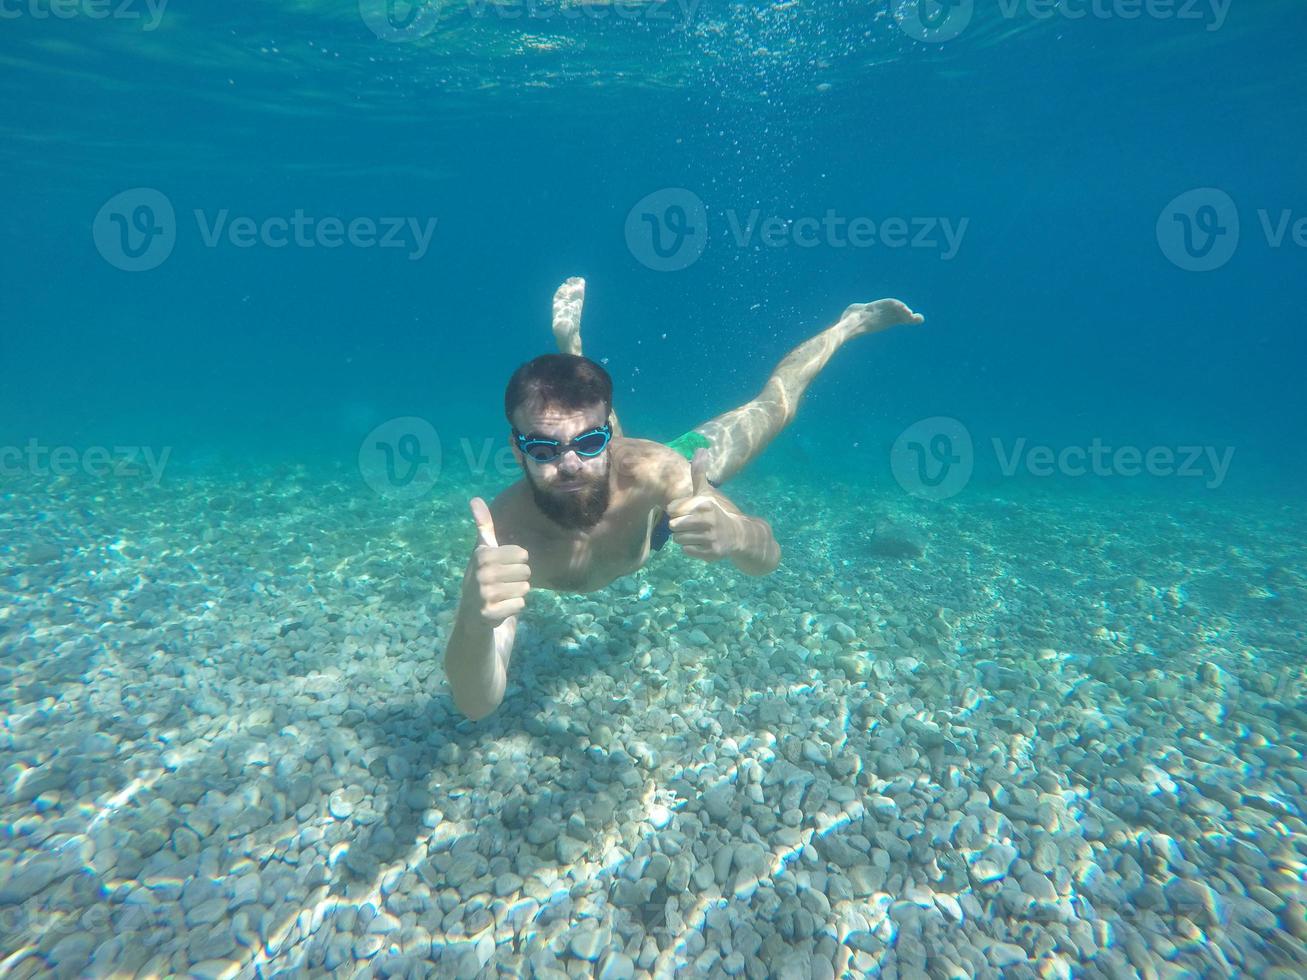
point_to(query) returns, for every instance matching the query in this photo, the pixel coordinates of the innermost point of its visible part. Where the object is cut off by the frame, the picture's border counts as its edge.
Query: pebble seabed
(1064, 739)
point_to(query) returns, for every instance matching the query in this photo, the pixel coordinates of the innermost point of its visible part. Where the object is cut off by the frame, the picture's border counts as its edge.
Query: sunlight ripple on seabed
(50, 922)
(658, 805)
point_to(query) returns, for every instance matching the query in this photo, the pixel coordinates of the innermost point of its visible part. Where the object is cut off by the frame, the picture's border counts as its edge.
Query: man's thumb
(485, 523)
(699, 471)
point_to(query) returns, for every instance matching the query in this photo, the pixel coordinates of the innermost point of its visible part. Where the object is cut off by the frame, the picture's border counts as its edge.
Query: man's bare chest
(586, 561)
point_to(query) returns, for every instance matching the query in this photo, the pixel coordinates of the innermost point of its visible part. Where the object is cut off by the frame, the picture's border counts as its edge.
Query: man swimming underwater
(593, 503)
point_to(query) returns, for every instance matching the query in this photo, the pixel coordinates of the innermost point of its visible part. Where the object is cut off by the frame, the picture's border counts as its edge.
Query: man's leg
(568, 301)
(738, 436)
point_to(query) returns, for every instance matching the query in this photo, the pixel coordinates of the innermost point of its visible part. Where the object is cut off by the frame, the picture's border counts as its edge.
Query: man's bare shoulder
(643, 462)
(509, 507)
(641, 447)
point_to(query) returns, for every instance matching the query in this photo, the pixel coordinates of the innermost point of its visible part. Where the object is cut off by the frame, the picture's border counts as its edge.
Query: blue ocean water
(1051, 139)
(1025, 696)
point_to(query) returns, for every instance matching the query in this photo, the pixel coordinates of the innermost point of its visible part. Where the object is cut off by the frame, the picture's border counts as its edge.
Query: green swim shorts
(685, 445)
(688, 443)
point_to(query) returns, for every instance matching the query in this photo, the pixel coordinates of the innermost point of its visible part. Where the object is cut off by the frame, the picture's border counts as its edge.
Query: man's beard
(578, 510)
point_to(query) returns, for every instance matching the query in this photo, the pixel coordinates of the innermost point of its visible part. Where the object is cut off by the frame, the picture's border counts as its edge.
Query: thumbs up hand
(700, 524)
(498, 578)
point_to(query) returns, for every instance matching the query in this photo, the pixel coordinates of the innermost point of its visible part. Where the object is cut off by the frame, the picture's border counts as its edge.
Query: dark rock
(896, 541)
(42, 553)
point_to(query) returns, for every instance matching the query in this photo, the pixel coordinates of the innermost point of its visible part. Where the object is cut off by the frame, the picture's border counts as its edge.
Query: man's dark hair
(565, 380)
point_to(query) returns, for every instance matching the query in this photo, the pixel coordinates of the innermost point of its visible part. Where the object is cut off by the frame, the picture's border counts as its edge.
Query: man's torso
(643, 477)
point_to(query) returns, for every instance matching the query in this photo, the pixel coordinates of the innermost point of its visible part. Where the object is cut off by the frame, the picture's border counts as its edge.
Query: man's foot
(863, 318)
(568, 301)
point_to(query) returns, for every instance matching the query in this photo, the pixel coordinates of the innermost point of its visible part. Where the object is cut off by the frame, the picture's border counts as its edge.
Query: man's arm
(756, 551)
(477, 658)
(708, 525)
(480, 645)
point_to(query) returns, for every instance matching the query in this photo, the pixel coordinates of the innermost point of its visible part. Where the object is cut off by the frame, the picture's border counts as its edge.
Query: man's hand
(699, 523)
(497, 579)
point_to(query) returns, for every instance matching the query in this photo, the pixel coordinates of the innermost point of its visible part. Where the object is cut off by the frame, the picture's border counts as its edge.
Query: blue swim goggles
(587, 444)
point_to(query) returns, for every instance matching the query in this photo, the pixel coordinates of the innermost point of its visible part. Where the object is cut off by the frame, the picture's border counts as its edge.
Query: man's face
(572, 490)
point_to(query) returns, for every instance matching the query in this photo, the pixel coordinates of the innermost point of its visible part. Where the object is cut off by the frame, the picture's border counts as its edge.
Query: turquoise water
(1024, 696)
